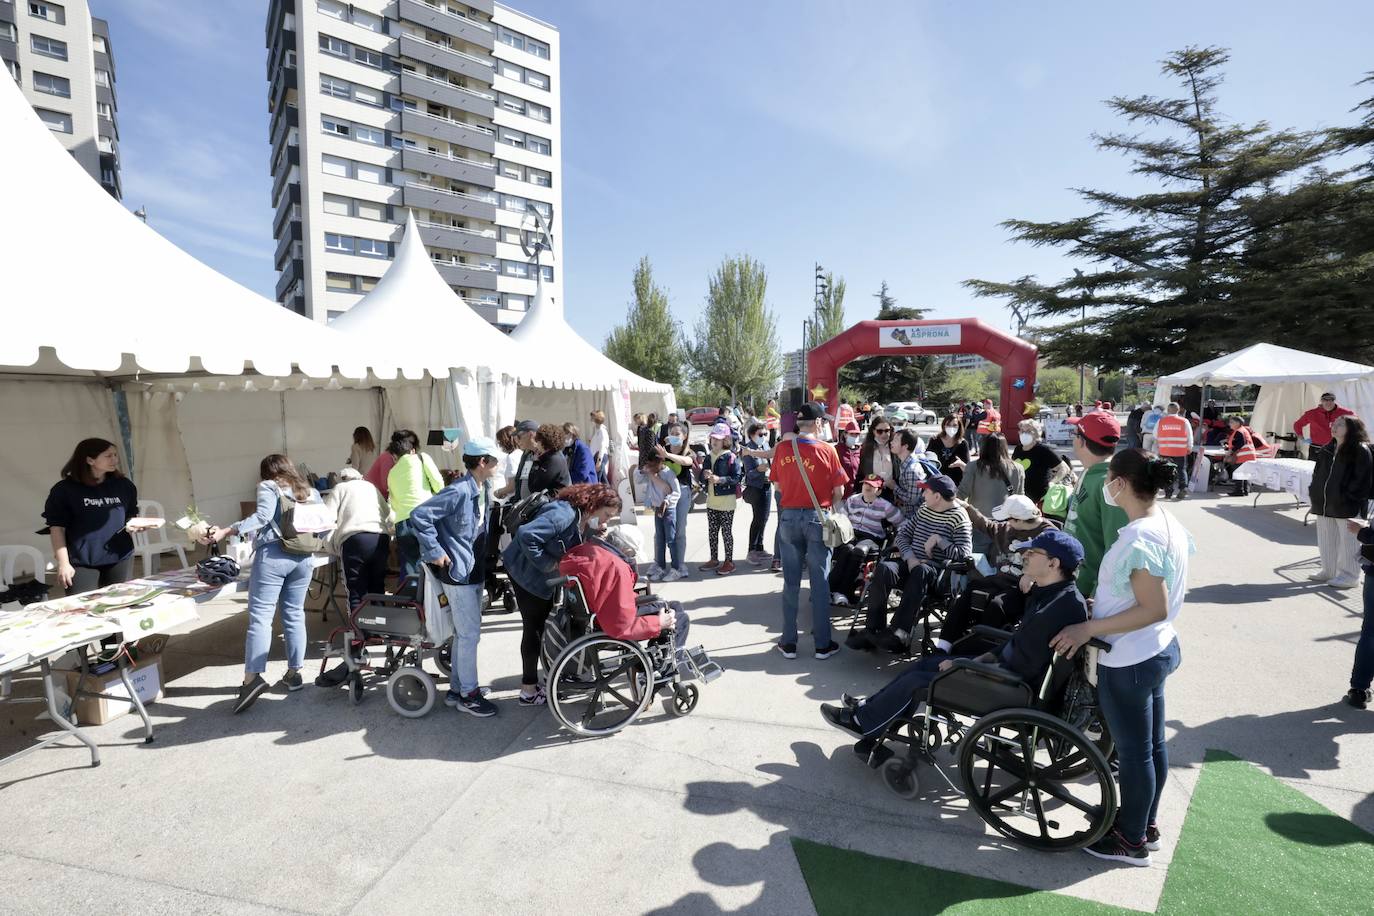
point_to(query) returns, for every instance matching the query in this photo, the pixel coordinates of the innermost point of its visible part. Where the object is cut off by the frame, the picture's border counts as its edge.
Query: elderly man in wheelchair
(1027, 767)
(609, 651)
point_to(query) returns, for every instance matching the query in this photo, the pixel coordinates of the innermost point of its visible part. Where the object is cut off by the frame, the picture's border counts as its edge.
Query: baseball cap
(1099, 427)
(1327, 394)
(874, 479)
(810, 412)
(1061, 546)
(720, 431)
(940, 484)
(526, 426)
(482, 447)
(1018, 507)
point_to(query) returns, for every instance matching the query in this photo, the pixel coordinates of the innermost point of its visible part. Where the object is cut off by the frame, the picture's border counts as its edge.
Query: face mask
(761, 441)
(674, 441)
(1108, 498)
(851, 441)
(567, 443)
(594, 523)
(951, 431)
(1027, 439)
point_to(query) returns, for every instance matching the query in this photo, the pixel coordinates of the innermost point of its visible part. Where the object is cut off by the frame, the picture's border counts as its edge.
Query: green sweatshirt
(1094, 523)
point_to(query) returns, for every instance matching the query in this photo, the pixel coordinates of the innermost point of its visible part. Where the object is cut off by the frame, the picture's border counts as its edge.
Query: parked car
(702, 416)
(914, 411)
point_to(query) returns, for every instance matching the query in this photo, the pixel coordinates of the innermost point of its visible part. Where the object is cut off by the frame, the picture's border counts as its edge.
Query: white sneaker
(655, 572)
(672, 575)
(839, 600)
(1343, 583)
(1318, 577)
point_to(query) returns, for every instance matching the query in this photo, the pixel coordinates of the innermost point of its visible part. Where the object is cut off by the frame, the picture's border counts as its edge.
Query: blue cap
(482, 447)
(941, 484)
(1063, 547)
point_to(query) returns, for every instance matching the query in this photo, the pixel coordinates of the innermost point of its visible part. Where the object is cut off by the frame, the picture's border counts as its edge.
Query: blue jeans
(1132, 702)
(407, 549)
(465, 607)
(900, 695)
(801, 542)
(684, 508)
(777, 529)
(277, 577)
(1362, 674)
(665, 538)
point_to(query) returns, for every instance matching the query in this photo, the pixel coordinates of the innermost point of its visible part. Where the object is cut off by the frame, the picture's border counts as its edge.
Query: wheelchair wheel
(683, 700)
(1015, 764)
(443, 658)
(355, 687)
(410, 692)
(899, 775)
(1080, 710)
(600, 685)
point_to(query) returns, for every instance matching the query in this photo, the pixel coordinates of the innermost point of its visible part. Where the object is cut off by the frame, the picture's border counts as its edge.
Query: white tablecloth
(1287, 475)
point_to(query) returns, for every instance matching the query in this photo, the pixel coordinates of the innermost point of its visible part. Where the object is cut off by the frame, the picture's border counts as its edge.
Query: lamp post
(142, 213)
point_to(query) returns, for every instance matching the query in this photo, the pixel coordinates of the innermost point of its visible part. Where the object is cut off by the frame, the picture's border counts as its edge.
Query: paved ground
(308, 804)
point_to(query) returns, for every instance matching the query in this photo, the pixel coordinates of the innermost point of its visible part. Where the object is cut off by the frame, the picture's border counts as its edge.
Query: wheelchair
(1033, 763)
(939, 598)
(597, 685)
(498, 594)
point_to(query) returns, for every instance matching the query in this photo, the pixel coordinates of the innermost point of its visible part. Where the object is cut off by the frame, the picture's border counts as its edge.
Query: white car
(914, 411)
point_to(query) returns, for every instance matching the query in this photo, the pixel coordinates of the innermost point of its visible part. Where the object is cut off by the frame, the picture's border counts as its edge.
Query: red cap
(1102, 428)
(875, 479)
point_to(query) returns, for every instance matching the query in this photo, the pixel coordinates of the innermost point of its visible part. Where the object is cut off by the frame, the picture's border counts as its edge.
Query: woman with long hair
(950, 448)
(364, 450)
(279, 578)
(875, 456)
(549, 467)
(1339, 492)
(1140, 589)
(581, 461)
(88, 513)
(531, 559)
(989, 481)
(413, 478)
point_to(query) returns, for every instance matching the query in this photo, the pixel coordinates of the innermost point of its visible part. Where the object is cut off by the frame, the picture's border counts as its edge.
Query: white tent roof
(447, 333)
(554, 356)
(1263, 364)
(108, 295)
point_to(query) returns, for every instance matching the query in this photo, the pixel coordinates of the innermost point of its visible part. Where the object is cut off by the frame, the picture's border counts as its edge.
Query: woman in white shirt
(1140, 591)
(510, 465)
(599, 440)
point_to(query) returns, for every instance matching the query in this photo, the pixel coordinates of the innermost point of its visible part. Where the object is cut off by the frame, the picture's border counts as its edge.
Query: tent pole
(121, 406)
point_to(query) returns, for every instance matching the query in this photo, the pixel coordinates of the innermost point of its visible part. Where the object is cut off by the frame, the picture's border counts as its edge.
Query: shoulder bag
(836, 528)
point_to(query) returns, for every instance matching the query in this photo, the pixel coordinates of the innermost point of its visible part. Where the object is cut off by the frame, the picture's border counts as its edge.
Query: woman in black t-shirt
(1039, 463)
(88, 513)
(950, 448)
(549, 471)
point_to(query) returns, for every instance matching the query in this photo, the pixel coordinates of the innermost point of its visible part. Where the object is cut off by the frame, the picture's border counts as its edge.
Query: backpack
(930, 465)
(523, 511)
(311, 515)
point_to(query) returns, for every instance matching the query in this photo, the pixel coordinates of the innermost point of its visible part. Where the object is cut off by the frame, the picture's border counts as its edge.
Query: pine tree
(649, 343)
(1164, 291)
(899, 378)
(735, 344)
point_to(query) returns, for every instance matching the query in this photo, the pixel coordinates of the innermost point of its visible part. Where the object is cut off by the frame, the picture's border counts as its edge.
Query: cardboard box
(90, 710)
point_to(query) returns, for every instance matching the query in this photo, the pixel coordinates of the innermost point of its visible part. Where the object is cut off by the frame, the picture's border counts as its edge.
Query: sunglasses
(886, 430)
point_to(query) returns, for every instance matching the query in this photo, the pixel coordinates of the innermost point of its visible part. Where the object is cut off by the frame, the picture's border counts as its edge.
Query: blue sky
(885, 140)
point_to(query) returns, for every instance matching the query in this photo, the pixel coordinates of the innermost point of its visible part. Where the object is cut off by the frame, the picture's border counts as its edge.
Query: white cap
(1018, 507)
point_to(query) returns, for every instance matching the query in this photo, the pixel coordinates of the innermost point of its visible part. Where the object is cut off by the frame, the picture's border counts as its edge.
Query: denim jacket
(727, 471)
(446, 525)
(532, 556)
(754, 475)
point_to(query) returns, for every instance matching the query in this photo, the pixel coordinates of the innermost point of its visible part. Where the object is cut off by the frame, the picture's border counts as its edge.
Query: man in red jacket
(1319, 419)
(604, 567)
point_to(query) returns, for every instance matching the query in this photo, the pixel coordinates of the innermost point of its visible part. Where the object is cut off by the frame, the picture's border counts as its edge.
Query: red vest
(1172, 436)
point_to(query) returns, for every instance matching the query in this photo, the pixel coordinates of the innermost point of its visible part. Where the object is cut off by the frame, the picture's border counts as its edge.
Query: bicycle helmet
(217, 570)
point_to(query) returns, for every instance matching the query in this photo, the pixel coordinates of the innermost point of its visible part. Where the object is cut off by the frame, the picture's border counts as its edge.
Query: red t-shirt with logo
(823, 469)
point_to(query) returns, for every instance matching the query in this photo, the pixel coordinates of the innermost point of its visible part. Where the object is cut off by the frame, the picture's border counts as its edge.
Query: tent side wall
(1280, 405)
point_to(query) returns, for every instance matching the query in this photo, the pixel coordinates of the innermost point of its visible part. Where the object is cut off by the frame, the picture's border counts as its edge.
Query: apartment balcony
(292, 272)
(470, 135)
(469, 65)
(440, 20)
(423, 197)
(471, 241)
(469, 275)
(451, 167)
(445, 93)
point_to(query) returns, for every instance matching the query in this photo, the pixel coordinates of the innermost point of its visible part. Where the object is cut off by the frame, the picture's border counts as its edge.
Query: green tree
(735, 344)
(827, 320)
(649, 343)
(899, 378)
(1058, 385)
(1163, 294)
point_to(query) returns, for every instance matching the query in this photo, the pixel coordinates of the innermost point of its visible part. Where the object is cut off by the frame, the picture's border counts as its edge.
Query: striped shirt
(868, 517)
(951, 525)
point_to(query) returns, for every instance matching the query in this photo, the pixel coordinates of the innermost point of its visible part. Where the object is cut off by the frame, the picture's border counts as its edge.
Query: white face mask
(567, 443)
(851, 441)
(1027, 439)
(1107, 496)
(761, 441)
(951, 431)
(594, 523)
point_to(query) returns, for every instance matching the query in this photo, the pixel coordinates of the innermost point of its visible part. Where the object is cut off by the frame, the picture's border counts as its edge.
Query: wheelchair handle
(1100, 644)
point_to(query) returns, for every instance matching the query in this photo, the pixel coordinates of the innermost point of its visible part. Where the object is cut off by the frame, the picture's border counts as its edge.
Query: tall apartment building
(449, 109)
(964, 361)
(62, 61)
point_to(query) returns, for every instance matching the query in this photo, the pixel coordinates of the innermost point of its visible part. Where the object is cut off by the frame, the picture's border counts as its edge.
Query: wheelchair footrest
(695, 664)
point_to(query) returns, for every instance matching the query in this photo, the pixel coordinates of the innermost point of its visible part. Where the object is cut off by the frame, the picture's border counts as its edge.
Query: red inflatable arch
(924, 338)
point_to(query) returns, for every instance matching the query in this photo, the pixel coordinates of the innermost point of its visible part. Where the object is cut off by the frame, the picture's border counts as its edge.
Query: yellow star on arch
(818, 393)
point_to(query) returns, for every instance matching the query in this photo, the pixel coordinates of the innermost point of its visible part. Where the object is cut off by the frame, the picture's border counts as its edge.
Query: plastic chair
(149, 544)
(11, 554)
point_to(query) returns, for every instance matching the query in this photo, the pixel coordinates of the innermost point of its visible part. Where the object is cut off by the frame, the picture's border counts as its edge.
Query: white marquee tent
(1291, 382)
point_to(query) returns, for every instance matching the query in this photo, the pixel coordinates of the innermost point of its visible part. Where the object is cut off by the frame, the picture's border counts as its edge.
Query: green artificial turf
(1250, 845)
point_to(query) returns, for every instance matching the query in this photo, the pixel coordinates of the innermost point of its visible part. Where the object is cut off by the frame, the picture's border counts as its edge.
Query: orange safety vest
(771, 418)
(992, 423)
(1246, 450)
(1171, 436)
(845, 417)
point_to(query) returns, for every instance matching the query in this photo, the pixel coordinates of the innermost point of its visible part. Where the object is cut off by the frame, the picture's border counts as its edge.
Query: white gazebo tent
(415, 313)
(112, 331)
(1291, 382)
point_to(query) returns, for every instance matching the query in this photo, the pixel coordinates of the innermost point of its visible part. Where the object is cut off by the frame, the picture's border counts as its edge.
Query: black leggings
(760, 499)
(364, 561)
(534, 613)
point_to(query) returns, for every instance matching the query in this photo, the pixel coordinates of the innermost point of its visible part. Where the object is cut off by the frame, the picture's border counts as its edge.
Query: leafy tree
(1058, 385)
(649, 343)
(827, 320)
(1163, 294)
(735, 344)
(898, 378)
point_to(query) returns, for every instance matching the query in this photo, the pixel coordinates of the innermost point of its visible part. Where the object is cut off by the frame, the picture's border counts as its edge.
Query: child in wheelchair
(872, 517)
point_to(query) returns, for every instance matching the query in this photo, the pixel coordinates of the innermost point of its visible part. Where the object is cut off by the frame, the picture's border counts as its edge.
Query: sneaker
(532, 699)
(1114, 847)
(1152, 837)
(1318, 577)
(291, 681)
(1343, 583)
(726, 568)
(827, 651)
(707, 567)
(862, 640)
(788, 649)
(655, 572)
(472, 703)
(777, 566)
(850, 702)
(249, 692)
(841, 718)
(673, 575)
(1360, 699)
(838, 600)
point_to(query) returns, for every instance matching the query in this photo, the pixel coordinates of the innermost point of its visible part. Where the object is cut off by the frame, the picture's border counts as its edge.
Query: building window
(511, 202)
(368, 58)
(49, 11)
(372, 174)
(511, 170)
(513, 39)
(538, 144)
(336, 205)
(339, 244)
(338, 283)
(517, 303)
(332, 126)
(333, 9)
(511, 71)
(538, 112)
(373, 248)
(48, 47)
(512, 137)
(511, 103)
(366, 209)
(13, 67)
(333, 165)
(510, 235)
(368, 96)
(547, 271)
(400, 104)
(336, 87)
(543, 179)
(369, 135)
(331, 45)
(7, 32)
(52, 85)
(402, 143)
(104, 110)
(368, 21)
(102, 78)
(107, 176)
(515, 268)
(56, 120)
(537, 80)
(367, 284)
(543, 209)
(98, 42)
